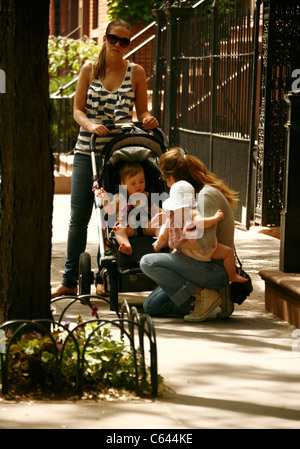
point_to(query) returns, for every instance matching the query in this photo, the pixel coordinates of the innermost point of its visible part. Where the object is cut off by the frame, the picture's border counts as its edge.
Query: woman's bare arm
(79, 113)
(207, 222)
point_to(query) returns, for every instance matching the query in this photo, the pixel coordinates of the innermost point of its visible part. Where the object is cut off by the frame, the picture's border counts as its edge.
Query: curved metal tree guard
(136, 329)
(22, 326)
(85, 300)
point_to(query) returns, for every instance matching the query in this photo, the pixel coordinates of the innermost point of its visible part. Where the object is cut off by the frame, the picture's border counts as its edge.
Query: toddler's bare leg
(154, 231)
(225, 252)
(162, 235)
(122, 237)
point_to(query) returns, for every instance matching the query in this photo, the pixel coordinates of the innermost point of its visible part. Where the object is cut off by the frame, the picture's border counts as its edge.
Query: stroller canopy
(134, 145)
(142, 148)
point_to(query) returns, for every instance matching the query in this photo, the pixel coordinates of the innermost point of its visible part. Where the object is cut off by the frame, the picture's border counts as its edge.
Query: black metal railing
(209, 60)
(63, 127)
(204, 87)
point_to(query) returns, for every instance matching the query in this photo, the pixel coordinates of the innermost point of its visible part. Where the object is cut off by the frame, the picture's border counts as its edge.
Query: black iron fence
(204, 88)
(218, 80)
(280, 61)
(63, 127)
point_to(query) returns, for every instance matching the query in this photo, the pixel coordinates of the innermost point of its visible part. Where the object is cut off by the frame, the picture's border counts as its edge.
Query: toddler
(185, 223)
(132, 178)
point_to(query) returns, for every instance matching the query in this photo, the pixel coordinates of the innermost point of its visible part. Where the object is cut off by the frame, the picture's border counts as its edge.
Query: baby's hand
(101, 192)
(159, 219)
(220, 214)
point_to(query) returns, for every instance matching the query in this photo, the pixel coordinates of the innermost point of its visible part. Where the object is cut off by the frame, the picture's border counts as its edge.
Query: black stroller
(117, 271)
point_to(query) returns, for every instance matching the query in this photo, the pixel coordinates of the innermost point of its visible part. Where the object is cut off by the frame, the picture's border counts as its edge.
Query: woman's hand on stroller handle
(99, 129)
(129, 127)
(147, 123)
(150, 122)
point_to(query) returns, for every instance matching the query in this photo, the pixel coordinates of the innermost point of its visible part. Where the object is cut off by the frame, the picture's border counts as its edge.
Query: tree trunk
(26, 163)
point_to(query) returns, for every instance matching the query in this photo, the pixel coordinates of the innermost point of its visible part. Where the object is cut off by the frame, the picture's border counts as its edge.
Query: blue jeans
(178, 277)
(82, 198)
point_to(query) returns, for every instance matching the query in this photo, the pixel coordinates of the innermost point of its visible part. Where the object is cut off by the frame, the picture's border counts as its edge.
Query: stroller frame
(111, 274)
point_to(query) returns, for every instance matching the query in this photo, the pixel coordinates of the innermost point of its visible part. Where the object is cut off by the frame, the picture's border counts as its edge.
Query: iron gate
(203, 88)
(280, 59)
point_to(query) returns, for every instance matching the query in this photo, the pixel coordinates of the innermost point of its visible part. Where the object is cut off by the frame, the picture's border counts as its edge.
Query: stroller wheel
(85, 274)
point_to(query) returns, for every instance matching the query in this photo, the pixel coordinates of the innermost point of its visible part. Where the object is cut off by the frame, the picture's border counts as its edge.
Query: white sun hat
(182, 194)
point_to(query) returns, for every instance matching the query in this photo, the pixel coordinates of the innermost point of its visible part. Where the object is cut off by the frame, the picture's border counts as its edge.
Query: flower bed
(83, 358)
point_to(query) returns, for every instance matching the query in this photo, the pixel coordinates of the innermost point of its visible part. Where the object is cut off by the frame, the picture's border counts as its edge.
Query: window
(95, 13)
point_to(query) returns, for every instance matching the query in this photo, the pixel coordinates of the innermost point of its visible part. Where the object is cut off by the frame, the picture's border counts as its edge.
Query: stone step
(282, 295)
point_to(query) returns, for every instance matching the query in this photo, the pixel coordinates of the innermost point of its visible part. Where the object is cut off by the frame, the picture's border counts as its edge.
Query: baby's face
(135, 184)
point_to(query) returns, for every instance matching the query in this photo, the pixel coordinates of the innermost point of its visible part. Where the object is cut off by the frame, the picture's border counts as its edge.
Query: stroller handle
(125, 127)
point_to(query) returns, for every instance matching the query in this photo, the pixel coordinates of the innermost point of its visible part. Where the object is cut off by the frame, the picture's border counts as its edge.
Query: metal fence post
(290, 215)
(279, 58)
(252, 145)
(157, 64)
(214, 52)
(170, 81)
(171, 14)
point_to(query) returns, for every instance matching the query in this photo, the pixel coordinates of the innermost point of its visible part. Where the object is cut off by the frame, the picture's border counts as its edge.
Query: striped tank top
(107, 108)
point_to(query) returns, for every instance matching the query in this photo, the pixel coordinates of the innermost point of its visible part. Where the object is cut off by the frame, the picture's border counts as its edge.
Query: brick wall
(51, 18)
(66, 20)
(63, 17)
(66, 17)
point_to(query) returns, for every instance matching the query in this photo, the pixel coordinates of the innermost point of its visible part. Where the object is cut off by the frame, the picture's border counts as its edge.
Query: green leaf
(47, 357)
(32, 348)
(138, 11)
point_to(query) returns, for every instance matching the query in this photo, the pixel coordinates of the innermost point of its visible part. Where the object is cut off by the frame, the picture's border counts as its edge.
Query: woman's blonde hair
(189, 168)
(99, 66)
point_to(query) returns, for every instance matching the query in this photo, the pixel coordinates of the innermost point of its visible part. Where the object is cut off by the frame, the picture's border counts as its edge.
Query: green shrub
(34, 360)
(70, 54)
(138, 11)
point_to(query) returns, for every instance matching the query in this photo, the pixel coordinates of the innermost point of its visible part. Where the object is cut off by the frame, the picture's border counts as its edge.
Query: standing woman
(182, 281)
(106, 92)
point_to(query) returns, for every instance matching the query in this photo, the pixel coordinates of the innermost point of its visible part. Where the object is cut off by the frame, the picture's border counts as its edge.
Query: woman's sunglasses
(113, 39)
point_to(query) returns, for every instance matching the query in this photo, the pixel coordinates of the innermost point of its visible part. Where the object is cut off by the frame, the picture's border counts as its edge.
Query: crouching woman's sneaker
(204, 304)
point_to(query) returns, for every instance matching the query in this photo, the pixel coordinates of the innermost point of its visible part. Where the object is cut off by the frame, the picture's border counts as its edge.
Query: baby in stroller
(119, 261)
(136, 212)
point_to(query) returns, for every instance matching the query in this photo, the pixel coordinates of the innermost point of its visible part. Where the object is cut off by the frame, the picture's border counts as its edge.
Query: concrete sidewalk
(237, 373)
